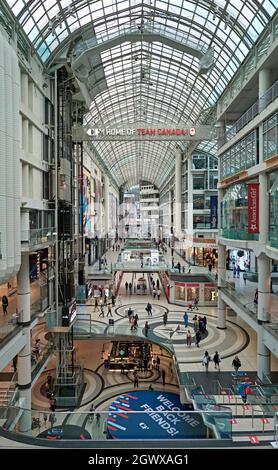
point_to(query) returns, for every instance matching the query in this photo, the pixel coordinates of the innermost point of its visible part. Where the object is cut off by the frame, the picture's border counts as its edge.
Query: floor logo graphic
(159, 416)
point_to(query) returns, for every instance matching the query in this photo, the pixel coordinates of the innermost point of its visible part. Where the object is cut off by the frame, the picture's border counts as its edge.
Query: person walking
(157, 283)
(130, 288)
(158, 293)
(206, 360)
(15, 363)
(185, 319)
(198, 338)
(5, 304)
(126, 286)
(210, 267)
(101, 311)
(173, 263)
(52, 404)
(256, 297)
(113, 298)
(157, 362)
(96, 305)
(147, 327)
(217, 360)
(163, 374)
(244, 278)
(154, 292)
(91, 413)
(135, 380)
(165, 318)
(109, 311)
(179, 267)
(149, 309)
(196, 303)
(188, 338)
(236, 364)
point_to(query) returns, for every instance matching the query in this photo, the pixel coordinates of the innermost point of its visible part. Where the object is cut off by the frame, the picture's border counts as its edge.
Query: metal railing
(268, 97)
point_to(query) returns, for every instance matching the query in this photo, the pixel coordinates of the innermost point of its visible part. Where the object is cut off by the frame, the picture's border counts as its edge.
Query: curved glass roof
(148, 82)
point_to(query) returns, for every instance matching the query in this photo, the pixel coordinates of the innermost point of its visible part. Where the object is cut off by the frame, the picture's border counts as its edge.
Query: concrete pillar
(221, 312)
(221, 265)
(25, 134)
(24, 356)
(24, 88)
(190, 199)
(264, 85)
(263, 355)
(106, 205)
(264, 288)
(264, 81)
(178, 165)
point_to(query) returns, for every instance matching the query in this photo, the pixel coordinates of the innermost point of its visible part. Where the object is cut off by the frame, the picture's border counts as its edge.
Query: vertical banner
(213, 211)
(253, 208)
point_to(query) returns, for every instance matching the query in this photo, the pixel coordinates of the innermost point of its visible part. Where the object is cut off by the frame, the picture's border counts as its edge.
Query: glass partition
(150, 423)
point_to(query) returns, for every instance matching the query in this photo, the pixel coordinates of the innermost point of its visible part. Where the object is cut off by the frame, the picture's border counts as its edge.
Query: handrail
(268, 97)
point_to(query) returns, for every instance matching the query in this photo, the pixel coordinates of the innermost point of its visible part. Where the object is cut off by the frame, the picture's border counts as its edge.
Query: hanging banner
(253, 208)
(213, 211)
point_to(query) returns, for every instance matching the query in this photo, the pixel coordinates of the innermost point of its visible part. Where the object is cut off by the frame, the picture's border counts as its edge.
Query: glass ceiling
(145, 82)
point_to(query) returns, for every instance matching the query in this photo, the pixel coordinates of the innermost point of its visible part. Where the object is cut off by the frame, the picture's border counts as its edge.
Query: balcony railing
(97, 426)
(38, 236)
(268, 97)
(239, 234)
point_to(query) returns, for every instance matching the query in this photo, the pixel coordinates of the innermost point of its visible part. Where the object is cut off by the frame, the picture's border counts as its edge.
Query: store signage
(253, 208)
(144, 132)
(213, 212)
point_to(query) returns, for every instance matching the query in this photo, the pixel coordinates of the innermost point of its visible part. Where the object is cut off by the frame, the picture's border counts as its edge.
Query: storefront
(185, 289)
(203, 255)
(241, 258)
(129, 355)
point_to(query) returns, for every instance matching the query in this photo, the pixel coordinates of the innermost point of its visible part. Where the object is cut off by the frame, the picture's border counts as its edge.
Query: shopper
(5, 304)
(256, 297)
(149, 309)
(206, 360)
(236, 364)
(109, 311)
(101, 311)
(96, 305)
(92, 413)
(188, 338)
(198, 338)
(126, 286)
(158, 293)
(244, 278)
(196, 303)
(217, 360)
(15, 363)
(147, 327)
(165, 318)
(185, 319)
(135, 380)
(154, 292)
(157, 362)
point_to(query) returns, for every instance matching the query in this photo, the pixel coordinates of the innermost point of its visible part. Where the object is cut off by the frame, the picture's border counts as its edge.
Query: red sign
(166, 131)
(265, 420)
(253, 207)
(233, 421)
(254, 439)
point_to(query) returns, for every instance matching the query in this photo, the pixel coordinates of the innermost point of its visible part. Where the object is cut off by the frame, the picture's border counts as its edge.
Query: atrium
(139, 223)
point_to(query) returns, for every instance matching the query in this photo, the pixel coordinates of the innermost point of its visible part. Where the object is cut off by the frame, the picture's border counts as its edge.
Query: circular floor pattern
(94, 385)
(140, 309)
(174, 334)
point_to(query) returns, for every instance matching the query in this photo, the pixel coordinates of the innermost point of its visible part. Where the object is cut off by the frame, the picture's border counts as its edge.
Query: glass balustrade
(150, 423)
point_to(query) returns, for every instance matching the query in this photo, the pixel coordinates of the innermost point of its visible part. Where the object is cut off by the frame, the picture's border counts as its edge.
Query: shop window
(198, 201)
(192, 293)
(180, 293)
(198, 182)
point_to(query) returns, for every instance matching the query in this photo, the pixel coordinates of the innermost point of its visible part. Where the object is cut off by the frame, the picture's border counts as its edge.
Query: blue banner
(213, 211)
